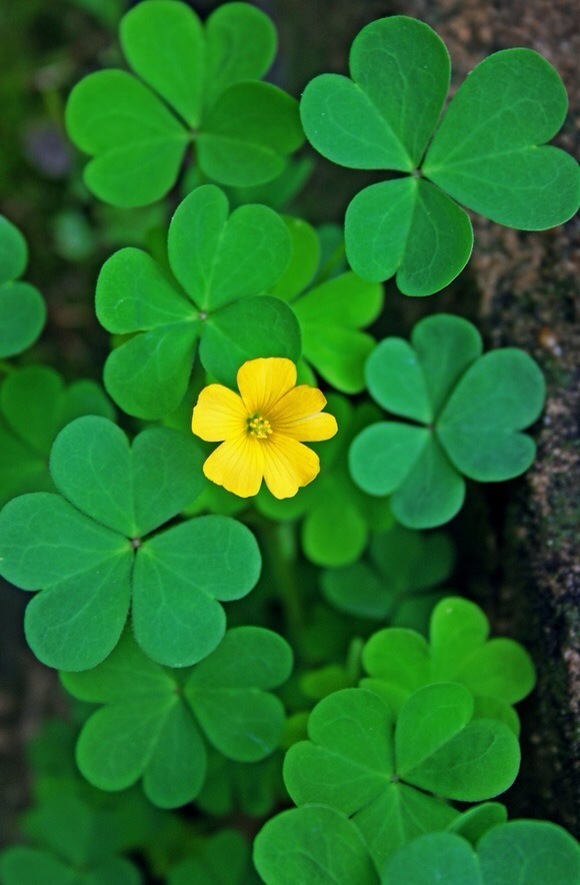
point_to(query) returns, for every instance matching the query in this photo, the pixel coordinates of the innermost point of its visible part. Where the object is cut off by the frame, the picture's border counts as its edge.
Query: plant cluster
(295, 642)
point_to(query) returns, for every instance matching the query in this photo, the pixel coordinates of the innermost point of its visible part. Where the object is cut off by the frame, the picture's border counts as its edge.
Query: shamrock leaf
(77, 846)
(153, 719)
(34, 406)
(194, 85)
(312, 844)
(383, 775)
(92, 553)
(519, 851)
(215, 296)
(469, 411)
(487, 153)
(401, 661)
(22, 310)
(331, 312)
(397, 580)
(326, 540)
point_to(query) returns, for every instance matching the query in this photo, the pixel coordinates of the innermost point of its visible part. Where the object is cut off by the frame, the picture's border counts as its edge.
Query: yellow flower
(262, 429)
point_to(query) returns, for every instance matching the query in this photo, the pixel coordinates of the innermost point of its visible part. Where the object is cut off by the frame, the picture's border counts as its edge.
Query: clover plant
(488, 151)
(468, 413)
(239, 346)
(192, 85)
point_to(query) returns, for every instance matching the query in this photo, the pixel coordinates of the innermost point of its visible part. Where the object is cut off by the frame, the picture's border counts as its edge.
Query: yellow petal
(237, 465)
(298, 415)
(264, 381)
(219, 414)
(288, 465)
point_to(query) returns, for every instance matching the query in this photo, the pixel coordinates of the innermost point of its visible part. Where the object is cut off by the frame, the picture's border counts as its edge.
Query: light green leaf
(384, 454)
(395, 380)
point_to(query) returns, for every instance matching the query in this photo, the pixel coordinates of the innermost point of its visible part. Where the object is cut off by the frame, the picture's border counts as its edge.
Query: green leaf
(34, 406)
(13, 252)
(411, 228)
(432, 858)
(395, 380)
(137, 143)
(400, 661)
(382, 120)
(485, 152)
(431, 493)
(235, 257)
(22, 309)
(147, 484)
(178, 578)
(538, 852)
(304, 260)
(163, 42)
(312, 844)
(240, 45)
(151, 723)
(85, 564)
(508, 388)
(251, 328)
(527, 851)
(227, 692)
(401, 566)
(349, 764)
(383, 455)
(247, 134)
(445, 346)
(476, 821)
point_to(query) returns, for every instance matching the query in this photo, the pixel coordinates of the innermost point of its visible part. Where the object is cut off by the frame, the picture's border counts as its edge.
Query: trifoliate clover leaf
(313, 843)
(34, 406)
(22, 309)
(92, 554)
(221, 859)
(155, 721)
(397, 579)
(326, 540)
(401, 661)
(386, 776)
(222, 264)
(194, 85)
(530, 851)
(488, 153)
(468, 413)
(476, 821)
(76, 846)
(331, 313)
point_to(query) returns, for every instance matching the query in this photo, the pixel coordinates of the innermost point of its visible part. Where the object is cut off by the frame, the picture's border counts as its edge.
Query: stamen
(259, 427)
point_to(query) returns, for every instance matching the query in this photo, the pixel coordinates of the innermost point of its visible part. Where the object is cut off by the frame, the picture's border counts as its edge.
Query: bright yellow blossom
(262, 429)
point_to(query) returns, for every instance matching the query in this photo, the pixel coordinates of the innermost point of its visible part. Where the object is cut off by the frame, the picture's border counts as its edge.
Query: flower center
(259, 427)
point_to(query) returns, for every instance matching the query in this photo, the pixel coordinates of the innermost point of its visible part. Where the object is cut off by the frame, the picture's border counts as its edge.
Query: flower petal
(298, 414)
(288, 465)
(219, 414)
(237, 465)
(264, 381)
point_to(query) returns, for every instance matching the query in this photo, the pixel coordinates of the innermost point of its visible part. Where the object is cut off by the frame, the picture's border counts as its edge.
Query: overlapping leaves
(92, 552)
(468, 412)
(194, 85)
(400, 661)
(386, 776)
(397, 579)
(22, 310)
(488, 152)
(75, 845)
(155, 722)
(221, 265)
(34, 406)
(326, 540)
(316, 842)
(331, 312)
